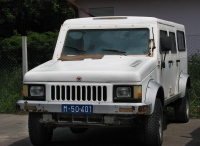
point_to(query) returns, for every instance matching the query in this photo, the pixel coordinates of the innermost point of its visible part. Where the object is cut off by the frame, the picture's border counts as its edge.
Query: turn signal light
(137, 92)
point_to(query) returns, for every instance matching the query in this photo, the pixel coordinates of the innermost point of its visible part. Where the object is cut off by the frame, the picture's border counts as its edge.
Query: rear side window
(172, 35)
(163, 33)
(181, 40)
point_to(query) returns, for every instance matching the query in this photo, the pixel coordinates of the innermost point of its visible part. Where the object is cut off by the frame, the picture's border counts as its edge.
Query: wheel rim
(187, 109)
(160, 122)
(160, 128)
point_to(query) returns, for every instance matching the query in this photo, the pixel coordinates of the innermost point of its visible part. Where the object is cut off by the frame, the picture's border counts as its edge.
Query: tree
(33, 15)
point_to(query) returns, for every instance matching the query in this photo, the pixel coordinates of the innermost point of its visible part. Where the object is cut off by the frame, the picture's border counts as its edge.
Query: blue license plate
(72, 108)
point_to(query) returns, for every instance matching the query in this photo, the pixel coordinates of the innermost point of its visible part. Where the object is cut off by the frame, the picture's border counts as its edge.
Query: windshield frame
(112, 51)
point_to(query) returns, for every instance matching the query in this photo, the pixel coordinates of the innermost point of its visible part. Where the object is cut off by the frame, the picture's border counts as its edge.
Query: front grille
(78, 93)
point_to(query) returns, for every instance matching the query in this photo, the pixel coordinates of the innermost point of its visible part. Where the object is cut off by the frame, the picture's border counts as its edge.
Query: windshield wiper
(79, 50)
(122, 52)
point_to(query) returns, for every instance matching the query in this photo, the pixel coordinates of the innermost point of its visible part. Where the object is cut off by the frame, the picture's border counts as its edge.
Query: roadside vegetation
(40, 22)
(194, 72)
(40, 50)
(10, 89)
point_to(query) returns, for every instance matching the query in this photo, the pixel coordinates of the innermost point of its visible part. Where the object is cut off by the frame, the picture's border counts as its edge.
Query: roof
(119, 20)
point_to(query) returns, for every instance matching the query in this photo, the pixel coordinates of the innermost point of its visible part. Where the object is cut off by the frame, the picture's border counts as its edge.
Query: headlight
(37, 91)
(127, 93)
(123, 92)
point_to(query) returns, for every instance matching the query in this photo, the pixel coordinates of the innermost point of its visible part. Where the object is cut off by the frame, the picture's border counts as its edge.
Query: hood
(108, 69)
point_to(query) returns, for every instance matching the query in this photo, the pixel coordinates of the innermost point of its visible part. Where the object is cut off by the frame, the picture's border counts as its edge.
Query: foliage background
(33, 15)
(40, 20)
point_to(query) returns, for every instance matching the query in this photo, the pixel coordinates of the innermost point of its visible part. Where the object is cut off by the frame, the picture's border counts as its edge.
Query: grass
(10, 89)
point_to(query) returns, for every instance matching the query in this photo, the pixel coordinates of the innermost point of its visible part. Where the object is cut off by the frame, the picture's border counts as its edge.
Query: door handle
(177, 61)
(170, 63)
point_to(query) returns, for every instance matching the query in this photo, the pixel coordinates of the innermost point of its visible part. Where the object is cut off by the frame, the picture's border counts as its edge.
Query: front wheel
(153, 131)
(39, 134)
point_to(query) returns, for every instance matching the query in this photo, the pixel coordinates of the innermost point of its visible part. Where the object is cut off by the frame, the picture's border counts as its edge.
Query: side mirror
(166, 43)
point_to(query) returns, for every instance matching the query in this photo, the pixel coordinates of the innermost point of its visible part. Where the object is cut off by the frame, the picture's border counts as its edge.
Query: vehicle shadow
(23, 142)
(195, 135)
(195, 138)
(98, 136)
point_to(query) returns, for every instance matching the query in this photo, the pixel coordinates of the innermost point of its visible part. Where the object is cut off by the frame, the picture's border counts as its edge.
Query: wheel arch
(160, 95)
(184, 82)
(154, 90)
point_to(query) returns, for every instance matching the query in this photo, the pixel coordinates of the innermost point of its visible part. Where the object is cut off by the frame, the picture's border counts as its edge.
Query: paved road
(14, 132)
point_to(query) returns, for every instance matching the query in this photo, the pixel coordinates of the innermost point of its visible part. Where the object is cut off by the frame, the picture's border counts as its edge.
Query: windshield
(107, 41)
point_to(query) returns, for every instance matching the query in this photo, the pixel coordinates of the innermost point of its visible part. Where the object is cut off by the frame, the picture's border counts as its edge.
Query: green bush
(194, 72)
(40, 49)
(10, 89)
(10, 52)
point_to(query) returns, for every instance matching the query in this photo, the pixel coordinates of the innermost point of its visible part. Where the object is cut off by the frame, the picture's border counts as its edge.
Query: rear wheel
(154, 126)
(38, 133)
(182, 108)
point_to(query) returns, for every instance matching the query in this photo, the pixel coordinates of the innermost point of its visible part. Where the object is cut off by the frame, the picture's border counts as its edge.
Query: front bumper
(98, 108)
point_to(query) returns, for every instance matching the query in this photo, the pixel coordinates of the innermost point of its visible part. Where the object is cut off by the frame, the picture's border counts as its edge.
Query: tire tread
(152, 136)
(38, 133)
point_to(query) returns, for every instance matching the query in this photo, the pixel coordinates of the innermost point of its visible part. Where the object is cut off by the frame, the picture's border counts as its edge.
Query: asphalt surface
(14, 132)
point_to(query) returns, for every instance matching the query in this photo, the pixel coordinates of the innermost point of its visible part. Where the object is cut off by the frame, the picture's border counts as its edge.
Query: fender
(153, 91)
(184, 81)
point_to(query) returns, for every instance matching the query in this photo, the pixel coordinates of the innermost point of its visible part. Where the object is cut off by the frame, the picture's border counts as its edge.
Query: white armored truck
(109, 71)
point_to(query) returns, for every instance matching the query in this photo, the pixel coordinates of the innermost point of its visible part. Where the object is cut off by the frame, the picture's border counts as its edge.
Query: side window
(181, 40)
(172, 35)
(162, 33)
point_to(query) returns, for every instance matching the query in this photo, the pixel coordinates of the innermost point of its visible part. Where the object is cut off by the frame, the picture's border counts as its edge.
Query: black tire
(154, 126)
(182, 108)
(38, 133)
(77, 130)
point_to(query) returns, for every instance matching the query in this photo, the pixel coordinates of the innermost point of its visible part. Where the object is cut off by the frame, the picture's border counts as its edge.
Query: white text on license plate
(88, 109)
